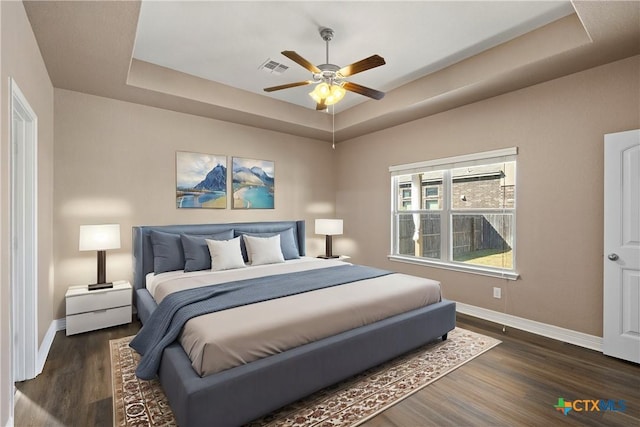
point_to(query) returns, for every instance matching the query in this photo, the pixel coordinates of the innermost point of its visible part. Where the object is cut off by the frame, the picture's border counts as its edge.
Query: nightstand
(91, 310)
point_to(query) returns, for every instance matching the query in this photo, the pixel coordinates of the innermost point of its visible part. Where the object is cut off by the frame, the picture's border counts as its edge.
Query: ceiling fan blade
(287, 86)
(362, 90)
(301, 61)
(366, 64)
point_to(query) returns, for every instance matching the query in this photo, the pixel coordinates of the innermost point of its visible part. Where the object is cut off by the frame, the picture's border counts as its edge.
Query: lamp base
(96, 286)
(328, 256)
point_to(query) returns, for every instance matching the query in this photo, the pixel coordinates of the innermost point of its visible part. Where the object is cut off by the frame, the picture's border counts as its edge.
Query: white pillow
(263, 250)
(225, 254)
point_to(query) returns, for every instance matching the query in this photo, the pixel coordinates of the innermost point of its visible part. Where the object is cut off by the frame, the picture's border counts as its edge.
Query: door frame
(23, 125)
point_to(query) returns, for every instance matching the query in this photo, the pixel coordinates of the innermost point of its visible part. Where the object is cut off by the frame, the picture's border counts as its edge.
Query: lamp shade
(329, 227)
(99, 237)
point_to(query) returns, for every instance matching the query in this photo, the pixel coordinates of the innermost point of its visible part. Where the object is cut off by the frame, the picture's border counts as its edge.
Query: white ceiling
(226, 42)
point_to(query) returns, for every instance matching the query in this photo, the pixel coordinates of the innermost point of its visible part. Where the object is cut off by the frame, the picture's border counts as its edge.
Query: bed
(234, 395)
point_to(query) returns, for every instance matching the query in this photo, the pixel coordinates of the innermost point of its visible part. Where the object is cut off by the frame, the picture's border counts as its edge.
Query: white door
(622, 245)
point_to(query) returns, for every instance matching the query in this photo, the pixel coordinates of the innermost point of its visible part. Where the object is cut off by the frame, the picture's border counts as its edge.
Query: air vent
(274, 67)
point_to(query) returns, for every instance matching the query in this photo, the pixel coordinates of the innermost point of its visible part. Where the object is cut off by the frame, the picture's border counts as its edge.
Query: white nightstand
(90, 310)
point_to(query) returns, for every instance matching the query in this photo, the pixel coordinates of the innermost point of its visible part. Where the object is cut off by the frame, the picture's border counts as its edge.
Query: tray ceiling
(227, 42)
(202, 58)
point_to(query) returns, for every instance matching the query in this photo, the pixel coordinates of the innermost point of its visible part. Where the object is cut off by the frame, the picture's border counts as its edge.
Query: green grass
(488, 257)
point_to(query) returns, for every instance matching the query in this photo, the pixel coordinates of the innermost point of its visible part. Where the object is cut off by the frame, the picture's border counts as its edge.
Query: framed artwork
(253, 183)
(201, 180)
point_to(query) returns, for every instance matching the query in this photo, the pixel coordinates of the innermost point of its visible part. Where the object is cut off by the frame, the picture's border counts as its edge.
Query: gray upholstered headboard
(143, 250)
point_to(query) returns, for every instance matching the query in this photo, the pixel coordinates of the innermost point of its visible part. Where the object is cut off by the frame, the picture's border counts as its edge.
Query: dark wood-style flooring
(515, 384)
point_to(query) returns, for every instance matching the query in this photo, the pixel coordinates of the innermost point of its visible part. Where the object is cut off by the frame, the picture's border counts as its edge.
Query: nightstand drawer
(99, 319)
(98, 300)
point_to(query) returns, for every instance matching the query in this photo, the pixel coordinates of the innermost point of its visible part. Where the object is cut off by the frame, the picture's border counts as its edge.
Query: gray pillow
(288, 243)
(196, 251)
(167, 252)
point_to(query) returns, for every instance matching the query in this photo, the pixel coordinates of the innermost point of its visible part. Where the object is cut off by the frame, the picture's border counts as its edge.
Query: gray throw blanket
(166, 322)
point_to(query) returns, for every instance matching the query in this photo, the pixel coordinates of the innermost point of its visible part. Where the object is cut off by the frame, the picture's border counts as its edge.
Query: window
(457, 213)
(432, 195)
(405, 196)
(431, 191)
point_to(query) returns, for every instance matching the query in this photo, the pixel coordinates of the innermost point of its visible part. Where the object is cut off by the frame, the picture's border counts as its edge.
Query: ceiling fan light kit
(330, 79)
(327, 95)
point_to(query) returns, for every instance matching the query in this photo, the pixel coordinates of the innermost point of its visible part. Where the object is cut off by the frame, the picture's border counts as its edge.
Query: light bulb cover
(337, 93)
(327, 94)
(315, 97)
(323, 90)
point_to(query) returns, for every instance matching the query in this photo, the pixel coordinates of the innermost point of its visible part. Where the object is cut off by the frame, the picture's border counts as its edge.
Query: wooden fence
(470, 233)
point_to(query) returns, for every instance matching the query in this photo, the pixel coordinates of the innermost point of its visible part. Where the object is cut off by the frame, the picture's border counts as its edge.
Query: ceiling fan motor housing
(328, 73)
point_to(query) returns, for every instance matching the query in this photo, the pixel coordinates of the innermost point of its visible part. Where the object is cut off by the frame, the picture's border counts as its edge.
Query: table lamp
(328, 227)
(100, 238)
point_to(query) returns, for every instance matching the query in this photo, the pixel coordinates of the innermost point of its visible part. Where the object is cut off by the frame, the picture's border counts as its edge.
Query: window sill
(509, 275)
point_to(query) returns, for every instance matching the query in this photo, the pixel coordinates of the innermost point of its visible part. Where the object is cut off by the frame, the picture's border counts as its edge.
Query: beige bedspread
(229, 338)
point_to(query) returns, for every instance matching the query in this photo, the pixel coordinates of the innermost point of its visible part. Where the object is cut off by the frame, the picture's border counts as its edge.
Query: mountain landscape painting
(253, 183)
(201, 180)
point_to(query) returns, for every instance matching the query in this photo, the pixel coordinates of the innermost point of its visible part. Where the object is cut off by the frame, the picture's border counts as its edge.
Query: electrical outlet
(497, 293)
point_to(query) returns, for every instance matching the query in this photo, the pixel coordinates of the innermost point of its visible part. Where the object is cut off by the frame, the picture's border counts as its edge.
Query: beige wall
(21, 61)
(558, 127)
(115, 162)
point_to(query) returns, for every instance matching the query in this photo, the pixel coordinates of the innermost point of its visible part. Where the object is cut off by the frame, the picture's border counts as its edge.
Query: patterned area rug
(349, 403)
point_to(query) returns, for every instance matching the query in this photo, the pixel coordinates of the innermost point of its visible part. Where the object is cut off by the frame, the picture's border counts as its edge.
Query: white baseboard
(55, 326)
(61, 324)
(550, 331)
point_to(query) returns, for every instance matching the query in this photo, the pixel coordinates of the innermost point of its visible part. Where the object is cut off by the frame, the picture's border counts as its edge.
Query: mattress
(218, 341)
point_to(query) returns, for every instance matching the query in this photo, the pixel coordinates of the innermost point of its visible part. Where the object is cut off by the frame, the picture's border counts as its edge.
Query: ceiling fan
(330, 79)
